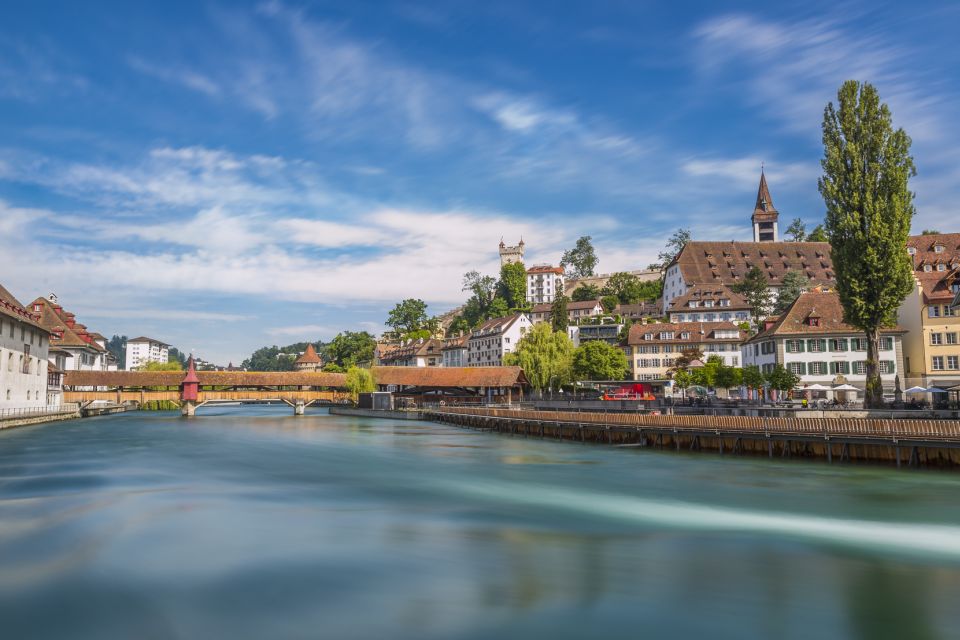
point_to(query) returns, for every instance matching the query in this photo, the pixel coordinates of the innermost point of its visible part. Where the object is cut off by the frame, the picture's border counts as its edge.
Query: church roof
(309, 356)
(763, 210)
(726, 263)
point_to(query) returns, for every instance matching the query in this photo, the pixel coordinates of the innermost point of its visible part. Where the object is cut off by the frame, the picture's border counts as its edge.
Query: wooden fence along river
(904, 442)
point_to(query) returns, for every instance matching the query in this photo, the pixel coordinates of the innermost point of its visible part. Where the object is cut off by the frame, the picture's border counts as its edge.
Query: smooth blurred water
(250, 523)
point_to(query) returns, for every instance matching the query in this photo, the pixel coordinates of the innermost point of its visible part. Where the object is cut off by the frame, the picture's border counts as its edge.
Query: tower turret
(764, 218)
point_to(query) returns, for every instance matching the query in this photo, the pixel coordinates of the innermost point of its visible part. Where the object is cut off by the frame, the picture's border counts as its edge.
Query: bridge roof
(207, 378)
(438, 377)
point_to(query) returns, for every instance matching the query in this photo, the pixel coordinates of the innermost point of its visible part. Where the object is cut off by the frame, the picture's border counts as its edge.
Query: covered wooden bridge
(466, 385)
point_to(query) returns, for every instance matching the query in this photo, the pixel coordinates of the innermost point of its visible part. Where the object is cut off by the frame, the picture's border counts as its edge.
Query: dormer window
(941, 267)
(694, 303)
(648, 336)
(708, 303)
(938, 248)
(685, 335)
(912, 251)
(813, 321)
(666, 335)
(927, 268)
(724, 302)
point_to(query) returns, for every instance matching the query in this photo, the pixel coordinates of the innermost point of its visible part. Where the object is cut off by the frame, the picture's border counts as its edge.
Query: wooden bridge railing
(863, 427)
(204, 396)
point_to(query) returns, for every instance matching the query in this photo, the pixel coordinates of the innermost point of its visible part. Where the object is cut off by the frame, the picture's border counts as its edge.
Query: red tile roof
(714, 293)
(544, 269)
(936, 284)
(825, 306)
(726, 263)
(309, 356)
(450, 377)
(11, 307)
(699, 332)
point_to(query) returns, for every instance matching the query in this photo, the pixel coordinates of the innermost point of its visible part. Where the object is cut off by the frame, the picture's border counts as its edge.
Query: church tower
(510, 255)
(764, 216)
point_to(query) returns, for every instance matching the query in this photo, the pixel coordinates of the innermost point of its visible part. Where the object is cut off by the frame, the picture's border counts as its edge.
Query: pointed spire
(764, 199)
(191, 372)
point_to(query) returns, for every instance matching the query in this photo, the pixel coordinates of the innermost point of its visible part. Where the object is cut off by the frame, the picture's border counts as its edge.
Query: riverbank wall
(377, 413)
(9, 421)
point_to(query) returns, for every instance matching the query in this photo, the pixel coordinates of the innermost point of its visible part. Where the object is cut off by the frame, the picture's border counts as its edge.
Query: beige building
(495, 338)
(652, 348)
(576, 311)
(309, 360)
(932, 346)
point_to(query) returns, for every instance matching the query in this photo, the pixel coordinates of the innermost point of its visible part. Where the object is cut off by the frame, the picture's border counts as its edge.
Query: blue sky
(223, 176)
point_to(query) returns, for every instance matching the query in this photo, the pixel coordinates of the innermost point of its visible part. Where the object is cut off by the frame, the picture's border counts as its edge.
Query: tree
(117, 345)
(755, 289)
(819, 234)
(585, 293)
(597, 360)
(478, 306)
(797, 230)
(408, 316)
(351, 348)
(276, 358)
(752, 377)
(546, 357)
(866, 170)
(674, 246)
(170, 365)
(175, 355)
(359, 381)
(609, 303)
(682, 362)
(497, 309)
(580, 261)
(512, 286)
(728, 377)
(794, 283)
(333, 367)
(782, 379)
(558, 313)
(929, 232)
(625, 286)
(682, 380)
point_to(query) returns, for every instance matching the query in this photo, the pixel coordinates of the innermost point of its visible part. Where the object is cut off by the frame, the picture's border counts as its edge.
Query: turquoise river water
(247, 522)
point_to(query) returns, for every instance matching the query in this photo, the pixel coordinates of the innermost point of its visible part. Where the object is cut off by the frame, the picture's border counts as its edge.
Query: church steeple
(764, 218)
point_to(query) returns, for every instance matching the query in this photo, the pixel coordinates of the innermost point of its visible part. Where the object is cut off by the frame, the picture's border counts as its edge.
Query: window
(938, 248)
(813, 322)
(817, 368)
(666, 335)
(860, 367)
(887, 366)
(937, 363)
(839, 366)
(927, 268)
(794, 346)
(858, 344)
(911, 250)
(735, 361)
(685, 335)
(798, 368)
(936, 338)
(838, 344)
(951, 338)
(817, 345)
(953, 362)
(708, 303)
(767, 347)
(724, 303)
(933, 311)
(948, 311)
(941, 267)
(886, 343)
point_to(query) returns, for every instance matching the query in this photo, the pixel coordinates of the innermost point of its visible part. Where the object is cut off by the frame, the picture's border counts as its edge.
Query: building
(72, 347)
(414, 353)
(709, 264)
(454, 352)
(576, 311)
(309, 360)
(24, 346)
(609, 333)
(544, 283)
(932, 344)
(811, 339)
(600, 280)
(709, 303)
(511, 255)
(640, 311)
(764, 218)
(652, 348)
(142, 350)
(494, 338)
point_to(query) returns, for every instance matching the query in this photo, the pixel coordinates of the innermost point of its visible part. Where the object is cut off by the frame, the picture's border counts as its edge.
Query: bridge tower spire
(189, 391)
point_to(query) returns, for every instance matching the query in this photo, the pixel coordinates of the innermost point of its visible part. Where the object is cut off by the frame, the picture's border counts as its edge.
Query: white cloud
(744, 172)
(183, 77)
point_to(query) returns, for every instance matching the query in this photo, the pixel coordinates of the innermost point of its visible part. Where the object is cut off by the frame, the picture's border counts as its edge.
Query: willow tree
(866, 168)
(546, 357)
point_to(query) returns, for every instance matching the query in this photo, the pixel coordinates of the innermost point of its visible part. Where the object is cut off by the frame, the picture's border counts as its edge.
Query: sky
(223, 176)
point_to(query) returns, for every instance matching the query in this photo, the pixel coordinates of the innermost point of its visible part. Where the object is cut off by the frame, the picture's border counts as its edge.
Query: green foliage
(819, 234)
(408, 316)
(558, 313)
(580, 261)
(597, 360)
(275, 358)
(782, 379)
(459, 325)
(794, 283)
(351, 348)
(675, 245)
(498, 309)
(752, 377)
(756, 290)
(175, 355)
(797, 230)
(333, 367)
(359, 381)
(512, 286)
(929, 232)
(171, 365)
(117, 345)
(546, 357)
(609, 303)
(585, 293)
(866, 171)
(682, 362)
(682, 379)
(629, 289)
(744, 326)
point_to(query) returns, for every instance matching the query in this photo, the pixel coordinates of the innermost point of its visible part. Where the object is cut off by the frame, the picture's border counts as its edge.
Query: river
(246, 522)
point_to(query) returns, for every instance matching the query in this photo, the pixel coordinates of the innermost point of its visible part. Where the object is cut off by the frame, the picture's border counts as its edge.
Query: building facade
(495, 338)
(72, 346)
(511, 255)
(143, 350)
(414, 353)
(609, 333)
(932, 344)
(454, 352)
(309, 360)
(652, 348)
(544, 283)
(24, 346)
(576, 311)
(705, 303)
(811, 340)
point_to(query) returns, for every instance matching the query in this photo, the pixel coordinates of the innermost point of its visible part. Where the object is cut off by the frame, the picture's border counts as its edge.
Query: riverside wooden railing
(886, 429)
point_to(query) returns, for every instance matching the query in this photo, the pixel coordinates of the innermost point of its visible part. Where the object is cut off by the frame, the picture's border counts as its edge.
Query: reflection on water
(250, 523)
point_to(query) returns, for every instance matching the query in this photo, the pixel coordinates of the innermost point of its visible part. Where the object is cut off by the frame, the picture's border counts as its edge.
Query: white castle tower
(510, 255)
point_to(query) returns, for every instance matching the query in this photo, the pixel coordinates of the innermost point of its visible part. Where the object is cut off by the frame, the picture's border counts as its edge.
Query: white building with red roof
(544, 283)
(24, 346)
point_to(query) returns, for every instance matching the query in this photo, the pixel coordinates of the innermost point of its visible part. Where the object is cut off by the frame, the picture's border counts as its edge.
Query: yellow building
(932, 346)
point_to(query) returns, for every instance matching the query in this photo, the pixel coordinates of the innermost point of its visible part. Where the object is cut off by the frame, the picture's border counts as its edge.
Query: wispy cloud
(174, 75)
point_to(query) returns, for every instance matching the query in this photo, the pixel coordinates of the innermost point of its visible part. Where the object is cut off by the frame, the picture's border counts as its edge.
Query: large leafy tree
(797, 230)
(359, 381)
(756, 290)
(597, 360)
(782, 379)
(546, 357)
(558, 313)
(819, 234)
(580, 261)
(351, 348)
(675, 245)
(752, 377)
(276, 358)
(793, 284)
(117, 345)
(585, 292)
(408, 316)
(866, 169)
(512, 286)
(682, 379)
